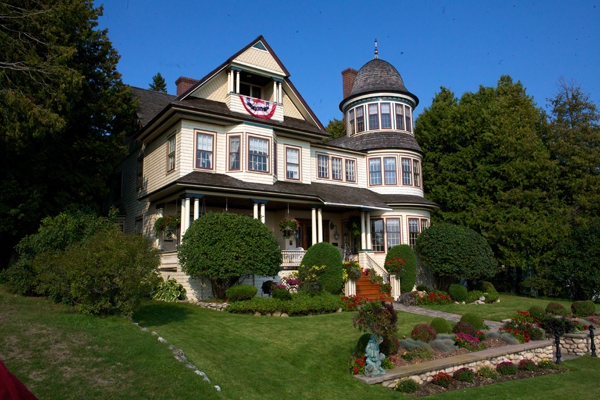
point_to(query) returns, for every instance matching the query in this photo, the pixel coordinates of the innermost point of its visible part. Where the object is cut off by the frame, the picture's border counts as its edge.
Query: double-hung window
(424, 224)
(408, 122)
(413, 230)
(406, 172)
(360, 119)
(234, 152)
(416, 173)
(292, 160)
(386, 117)
(399, 116)
(336, 168)
(351, 122)
(375, 171)
(204, 151)
(389, 166)
(393, 232)
(139, 225)
(171, 149)
(258, 154)
(323, 166)
(350, 171)
(377, 242)
(373, 116)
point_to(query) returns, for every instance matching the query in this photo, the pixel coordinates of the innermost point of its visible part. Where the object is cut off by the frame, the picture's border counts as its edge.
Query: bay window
(386, 118)
(350, 171)
(399, 116)
(258, 154)
(360, 119)
(406, 171)
(204, 151)
(323, 166)
(375, 171)
(393, 232)
(336, 168)
(417, 173)
(389, 166)
(373, 116)
(407, 115)
(413, 231)
(234, 152)
(292, 163)
(377, 243)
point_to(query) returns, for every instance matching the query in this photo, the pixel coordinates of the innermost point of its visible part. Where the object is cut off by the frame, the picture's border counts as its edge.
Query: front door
(305, 232)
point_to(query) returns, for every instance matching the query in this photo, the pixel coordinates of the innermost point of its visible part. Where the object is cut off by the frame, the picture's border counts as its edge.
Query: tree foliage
(319, 255)
(63, 111)
(335, 128)
(158, 83)
(225, 247)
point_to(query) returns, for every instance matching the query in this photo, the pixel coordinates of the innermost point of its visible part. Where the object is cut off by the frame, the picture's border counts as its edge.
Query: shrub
(458, 292)
(487, 373)
(407, 385)
(491, 296)
(455, 252)
(422, 352)
(547, 364)
(240, 292)
(524, 331)
(376, 318)
(441, 325)
(556, 309)
(473, 319)
(352, 303)
(507, 368)
(424, 333)
(583, 308)
(410, 344)
(551, 324)
(358, 365)
(464, 327)
(169, 291)
(444, 345)
(300, 304)
(527, 365)
(223, 247)
(323, 254)
(473, 296)
(442, 379)
(438, 298)
(20, 278)
(389, 346)
(422, 288)
(508, 338)
(281, 294)
(388, 363)
(464, 375)
(484, 286)
(362, 343)
(537, 312)
(469, 342)
(409, 275)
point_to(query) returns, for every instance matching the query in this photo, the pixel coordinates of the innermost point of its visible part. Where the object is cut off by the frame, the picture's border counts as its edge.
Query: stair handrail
(379, 270)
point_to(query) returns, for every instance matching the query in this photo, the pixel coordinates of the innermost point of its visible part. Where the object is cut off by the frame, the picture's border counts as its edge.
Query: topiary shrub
(281, 294)
(484, 286)
(441, 325)
(473, 319)
(323, 254)
(223, 247)
(556, 309)
(362, 343)
(458, 292)
(424, 333)
(464, 327)
(491, 296)
(473, 296)
(537, 312)
(583, 308)
(241, 292)
(389, 345)
(408, 275)
(454, 252)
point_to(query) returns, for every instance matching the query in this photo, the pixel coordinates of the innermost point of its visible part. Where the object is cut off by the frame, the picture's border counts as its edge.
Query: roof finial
(376, 54)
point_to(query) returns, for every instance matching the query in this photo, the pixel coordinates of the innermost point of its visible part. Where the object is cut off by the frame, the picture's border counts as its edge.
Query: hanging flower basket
(289, 227)
(168, 225)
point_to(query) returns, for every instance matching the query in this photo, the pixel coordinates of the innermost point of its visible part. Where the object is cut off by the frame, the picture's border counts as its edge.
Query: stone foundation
(578, 343)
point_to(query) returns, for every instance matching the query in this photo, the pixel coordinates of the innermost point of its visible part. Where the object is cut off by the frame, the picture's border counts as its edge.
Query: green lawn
(507, 308)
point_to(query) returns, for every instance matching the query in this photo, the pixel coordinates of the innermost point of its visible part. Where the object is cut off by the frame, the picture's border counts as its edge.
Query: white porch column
(363, 236)
(160, 212)
(314, 225)
(183, 212)
(237, 82)
(368, 229)
(255, 210)
(275, 94)
(196, 208)
(262, 212)
(280, 93)
(320, 224)
(229, 82)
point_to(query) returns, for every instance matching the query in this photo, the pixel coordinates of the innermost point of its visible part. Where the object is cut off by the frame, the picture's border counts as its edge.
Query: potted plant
(168, 225)
(288, 226)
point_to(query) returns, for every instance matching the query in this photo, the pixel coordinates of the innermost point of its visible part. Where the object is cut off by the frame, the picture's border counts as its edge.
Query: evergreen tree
(63, 112)
(158, 83)
(335, 128)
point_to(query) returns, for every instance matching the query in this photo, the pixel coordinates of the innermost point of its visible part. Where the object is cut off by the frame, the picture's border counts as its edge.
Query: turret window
(389, 164)
(406, 171)
(386, 118)
(417, 173)
(351, 122)
(360, 119)
(399, 116)
(408, 122)
(375, 171)
(373, 116)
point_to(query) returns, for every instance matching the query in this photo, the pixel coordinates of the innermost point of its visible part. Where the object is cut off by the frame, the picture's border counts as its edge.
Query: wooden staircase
(366, 290)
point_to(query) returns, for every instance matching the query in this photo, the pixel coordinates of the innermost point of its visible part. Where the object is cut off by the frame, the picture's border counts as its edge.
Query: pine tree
(335, 128)
(158, 83)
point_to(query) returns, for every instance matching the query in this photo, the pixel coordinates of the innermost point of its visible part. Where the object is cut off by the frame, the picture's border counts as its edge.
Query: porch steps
(366, 290)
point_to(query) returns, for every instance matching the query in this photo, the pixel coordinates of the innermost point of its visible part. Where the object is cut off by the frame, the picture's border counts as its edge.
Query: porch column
(314, 225)
(229, 82)
(363, 236)
(280, 93)
(275, 94)
(185, 210)
(237, 82)
(255, 210)
(368, 229)
(160, 212)
(262, 212)
(320, 224)
(196, 208)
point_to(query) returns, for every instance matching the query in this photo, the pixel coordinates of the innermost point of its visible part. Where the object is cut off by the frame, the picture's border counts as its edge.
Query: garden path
(434, 314)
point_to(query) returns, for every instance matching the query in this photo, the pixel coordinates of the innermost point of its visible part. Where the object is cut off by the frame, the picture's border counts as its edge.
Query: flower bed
(433, 298)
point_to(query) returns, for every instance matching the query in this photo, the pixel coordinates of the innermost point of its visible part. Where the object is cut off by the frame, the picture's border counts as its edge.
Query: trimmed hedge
(473, 319)
(556, 309)
(441, 325)
(583, 308)
(301, 304)
(319, 254)
(241, 292)
(458, 292)
(464, 327)
(282, 294)
(537, 312)
(409, 277)
(491, 296)
(473, 295)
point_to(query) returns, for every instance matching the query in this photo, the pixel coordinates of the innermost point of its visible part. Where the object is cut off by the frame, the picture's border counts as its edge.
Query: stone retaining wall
(578, 343)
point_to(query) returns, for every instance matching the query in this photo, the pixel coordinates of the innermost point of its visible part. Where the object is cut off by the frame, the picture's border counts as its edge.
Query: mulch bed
(430, 389)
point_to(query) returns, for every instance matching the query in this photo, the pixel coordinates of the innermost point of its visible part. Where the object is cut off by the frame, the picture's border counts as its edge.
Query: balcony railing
(291, 258)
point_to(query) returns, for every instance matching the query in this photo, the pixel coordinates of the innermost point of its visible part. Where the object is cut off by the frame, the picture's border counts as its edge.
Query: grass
(507, 308)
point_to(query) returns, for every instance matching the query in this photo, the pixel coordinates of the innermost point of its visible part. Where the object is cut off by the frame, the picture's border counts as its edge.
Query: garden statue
(374, 357)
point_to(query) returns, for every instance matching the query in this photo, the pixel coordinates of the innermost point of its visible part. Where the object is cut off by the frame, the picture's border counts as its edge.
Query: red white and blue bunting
(259, 108)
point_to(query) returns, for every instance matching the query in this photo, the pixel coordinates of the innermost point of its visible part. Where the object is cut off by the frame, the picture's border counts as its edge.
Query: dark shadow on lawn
(157, 313)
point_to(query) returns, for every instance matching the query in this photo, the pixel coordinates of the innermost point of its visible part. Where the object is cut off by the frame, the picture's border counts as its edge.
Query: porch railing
(379, 270)
(292, 258)
(169, 260)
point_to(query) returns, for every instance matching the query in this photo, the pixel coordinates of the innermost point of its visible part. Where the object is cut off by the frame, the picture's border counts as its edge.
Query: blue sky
(457, 44)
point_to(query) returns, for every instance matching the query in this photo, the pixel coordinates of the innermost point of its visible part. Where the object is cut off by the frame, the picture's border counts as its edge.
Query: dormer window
(250, 90)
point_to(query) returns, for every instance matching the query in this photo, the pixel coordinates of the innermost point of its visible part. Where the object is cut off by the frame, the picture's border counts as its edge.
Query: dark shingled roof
(375, 141)
(151, 103)
(378, 76)
(406, 198)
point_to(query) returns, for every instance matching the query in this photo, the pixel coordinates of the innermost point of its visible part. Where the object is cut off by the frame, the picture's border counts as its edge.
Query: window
(258, 154)
(323, 167)
(350, 172)
(171, 147)
(140, 172)
(406, 172)
(408, 123)
(234, 152)
(204, 151)
(375, 171)
(389, 166)
(139, 225)
(417, 173)
(336, 168)
(360, 119)
(373, 116)
(413, 229)
(377, 235)
(386, 118)
(250, 90)
(424, 224)
(292, 163)
(399, 116)
(393, 232)
(351, 122)
(275, 159)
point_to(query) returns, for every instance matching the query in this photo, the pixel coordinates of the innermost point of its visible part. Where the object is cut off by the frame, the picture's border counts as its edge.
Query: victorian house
(243, 140)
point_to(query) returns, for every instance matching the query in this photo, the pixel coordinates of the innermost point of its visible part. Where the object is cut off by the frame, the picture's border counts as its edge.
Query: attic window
(260, 46)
